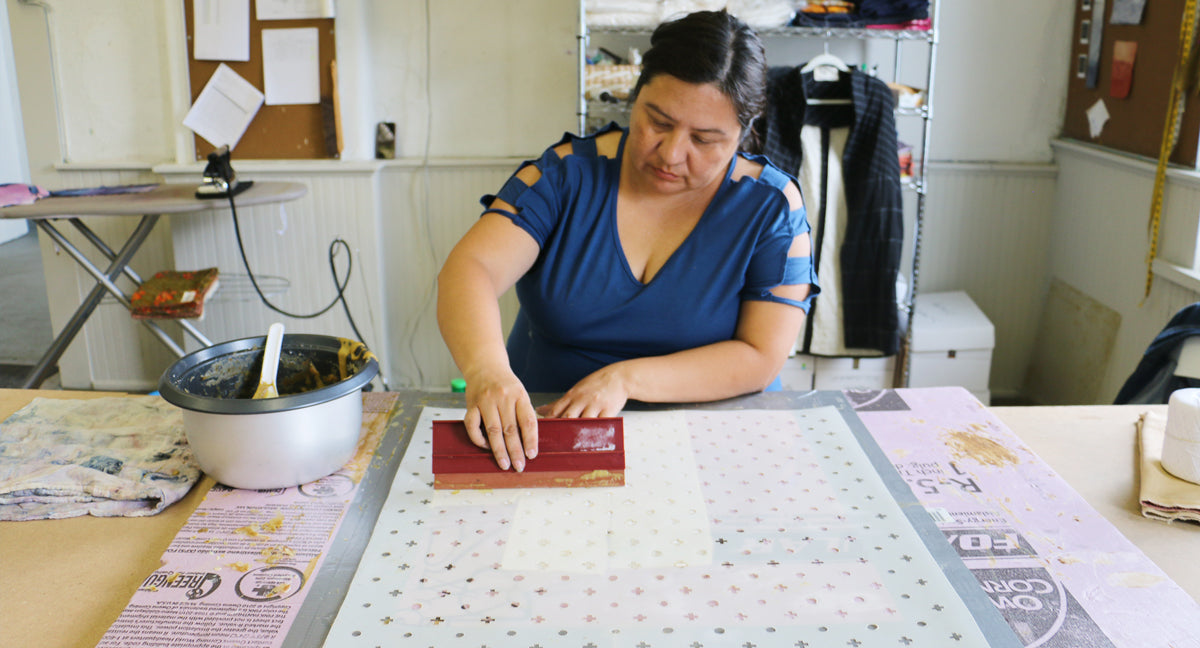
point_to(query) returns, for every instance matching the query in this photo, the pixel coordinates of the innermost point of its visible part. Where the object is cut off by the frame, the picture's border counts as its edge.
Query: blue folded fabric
(103, 191)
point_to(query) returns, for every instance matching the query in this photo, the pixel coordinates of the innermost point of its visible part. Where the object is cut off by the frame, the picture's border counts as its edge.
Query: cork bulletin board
(296, 131)
(1136, 121)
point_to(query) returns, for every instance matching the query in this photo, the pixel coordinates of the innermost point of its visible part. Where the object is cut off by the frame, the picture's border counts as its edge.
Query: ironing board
(150, 205)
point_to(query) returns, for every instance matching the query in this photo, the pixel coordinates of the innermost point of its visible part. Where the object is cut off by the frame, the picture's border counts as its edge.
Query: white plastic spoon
(270, 365)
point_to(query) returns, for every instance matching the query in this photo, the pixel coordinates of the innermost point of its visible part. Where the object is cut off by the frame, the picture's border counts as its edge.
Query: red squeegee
(571, 452)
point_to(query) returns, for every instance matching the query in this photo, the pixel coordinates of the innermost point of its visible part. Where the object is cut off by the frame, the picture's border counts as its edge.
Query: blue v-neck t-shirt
(582, 308)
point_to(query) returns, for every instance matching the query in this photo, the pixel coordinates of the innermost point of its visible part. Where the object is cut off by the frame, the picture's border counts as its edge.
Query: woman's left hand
(601, 393)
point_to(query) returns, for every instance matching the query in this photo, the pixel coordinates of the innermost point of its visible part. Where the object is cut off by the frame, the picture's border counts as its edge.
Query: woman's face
(682, 136)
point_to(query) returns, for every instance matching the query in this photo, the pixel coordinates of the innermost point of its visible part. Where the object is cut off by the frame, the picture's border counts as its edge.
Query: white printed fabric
(108, 457)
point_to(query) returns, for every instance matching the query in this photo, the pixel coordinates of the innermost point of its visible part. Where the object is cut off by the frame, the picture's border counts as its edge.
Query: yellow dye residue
(973, 444)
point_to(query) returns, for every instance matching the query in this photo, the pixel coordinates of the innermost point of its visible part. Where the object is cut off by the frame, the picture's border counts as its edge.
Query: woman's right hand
(485, 264)
(501, 417)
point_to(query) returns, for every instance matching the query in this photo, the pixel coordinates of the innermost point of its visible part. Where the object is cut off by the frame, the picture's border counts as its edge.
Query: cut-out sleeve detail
(796, 271)
(799, 219)
(509, 193)
(537, 206)
(772, 267)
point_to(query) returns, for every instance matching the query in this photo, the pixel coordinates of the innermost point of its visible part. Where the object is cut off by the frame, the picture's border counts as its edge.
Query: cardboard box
(952, 344)
(854, 373)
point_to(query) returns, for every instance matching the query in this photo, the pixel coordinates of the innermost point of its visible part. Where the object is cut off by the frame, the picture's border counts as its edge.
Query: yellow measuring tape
(1179, 86)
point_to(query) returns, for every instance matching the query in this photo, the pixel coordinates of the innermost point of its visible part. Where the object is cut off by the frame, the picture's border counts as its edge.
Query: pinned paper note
(293, 9)
(225, 107)
(1097, 117)
(291, 67)
(222, 30)
(1128, 12)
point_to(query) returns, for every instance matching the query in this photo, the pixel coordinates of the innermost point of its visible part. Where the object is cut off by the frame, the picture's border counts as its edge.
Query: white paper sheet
(224, 109)
(291, 66)
(292, 9)
(221, 30)
(1097, 116)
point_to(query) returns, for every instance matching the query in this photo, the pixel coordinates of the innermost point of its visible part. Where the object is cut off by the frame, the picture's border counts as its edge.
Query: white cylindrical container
(1181, 444)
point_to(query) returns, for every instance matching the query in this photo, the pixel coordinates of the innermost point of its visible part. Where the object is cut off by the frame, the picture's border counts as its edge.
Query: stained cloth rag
(106, 457)
(1163, 496)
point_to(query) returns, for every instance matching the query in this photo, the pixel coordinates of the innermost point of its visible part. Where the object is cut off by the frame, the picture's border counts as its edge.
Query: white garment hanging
(828, 335)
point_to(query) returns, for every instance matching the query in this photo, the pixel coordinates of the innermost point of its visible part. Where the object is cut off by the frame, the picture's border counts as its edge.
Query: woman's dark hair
(711, 47)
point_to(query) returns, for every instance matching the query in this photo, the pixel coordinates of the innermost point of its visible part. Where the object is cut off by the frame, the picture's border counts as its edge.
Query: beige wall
(474, 84)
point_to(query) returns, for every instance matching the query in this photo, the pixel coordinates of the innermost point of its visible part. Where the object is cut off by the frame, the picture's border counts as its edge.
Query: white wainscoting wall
(987, 231)
(1100, 238)
(427, 208)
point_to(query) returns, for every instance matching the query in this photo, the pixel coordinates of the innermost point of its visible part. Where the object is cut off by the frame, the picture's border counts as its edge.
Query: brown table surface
(63, 582)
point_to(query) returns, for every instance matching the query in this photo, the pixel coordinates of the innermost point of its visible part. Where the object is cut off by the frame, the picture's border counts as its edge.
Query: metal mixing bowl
(309, 431)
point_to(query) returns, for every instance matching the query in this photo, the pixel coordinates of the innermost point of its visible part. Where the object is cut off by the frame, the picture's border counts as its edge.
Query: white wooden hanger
(826, 59)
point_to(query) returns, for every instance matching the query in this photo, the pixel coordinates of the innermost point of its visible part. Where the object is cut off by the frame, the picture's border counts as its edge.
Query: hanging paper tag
(825, 73)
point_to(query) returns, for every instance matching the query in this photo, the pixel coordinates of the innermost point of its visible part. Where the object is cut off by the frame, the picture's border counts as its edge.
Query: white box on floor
(797, 373)
(854, 373)
(952, 344)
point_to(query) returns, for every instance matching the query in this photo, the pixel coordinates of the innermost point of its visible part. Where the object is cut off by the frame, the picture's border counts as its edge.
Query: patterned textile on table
(111, 456)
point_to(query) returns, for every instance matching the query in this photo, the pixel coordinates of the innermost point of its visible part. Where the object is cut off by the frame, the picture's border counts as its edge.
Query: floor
(25, 330)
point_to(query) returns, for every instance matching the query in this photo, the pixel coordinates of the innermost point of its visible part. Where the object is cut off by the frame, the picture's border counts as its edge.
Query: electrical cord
(337, 282)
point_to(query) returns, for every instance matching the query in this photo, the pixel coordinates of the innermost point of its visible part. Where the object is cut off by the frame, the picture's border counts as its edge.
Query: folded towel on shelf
(672, 9)
(1163, 496)
(623, 6)
(763, 14)
(623, 13)
(647, 13)
(106, 457)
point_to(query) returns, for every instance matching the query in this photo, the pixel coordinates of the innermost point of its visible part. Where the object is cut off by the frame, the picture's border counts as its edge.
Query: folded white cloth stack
(1163, 496)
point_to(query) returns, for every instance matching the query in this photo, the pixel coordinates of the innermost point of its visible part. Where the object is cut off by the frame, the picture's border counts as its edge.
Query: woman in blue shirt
(658, 263)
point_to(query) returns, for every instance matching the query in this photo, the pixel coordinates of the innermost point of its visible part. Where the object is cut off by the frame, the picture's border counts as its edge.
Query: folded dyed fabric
(15, 193)
(861, 13)
(874, 11)
(107, 190)
(106, 457)
(1163, 495)
(174, 294)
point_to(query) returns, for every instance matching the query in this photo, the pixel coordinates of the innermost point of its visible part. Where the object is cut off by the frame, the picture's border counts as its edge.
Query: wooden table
(63, 582)
(1094, 448)
(150, 206)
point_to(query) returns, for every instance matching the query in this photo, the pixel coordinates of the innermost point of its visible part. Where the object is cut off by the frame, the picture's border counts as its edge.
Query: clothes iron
(219, 180)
